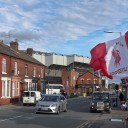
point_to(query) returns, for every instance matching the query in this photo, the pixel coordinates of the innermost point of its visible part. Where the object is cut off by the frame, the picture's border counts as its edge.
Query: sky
(62, 26)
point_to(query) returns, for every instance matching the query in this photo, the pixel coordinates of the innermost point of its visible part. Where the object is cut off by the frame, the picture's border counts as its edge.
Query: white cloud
(56, 22)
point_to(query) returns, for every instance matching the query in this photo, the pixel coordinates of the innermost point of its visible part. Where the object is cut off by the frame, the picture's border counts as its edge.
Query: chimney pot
(14, 45)
(29, 51)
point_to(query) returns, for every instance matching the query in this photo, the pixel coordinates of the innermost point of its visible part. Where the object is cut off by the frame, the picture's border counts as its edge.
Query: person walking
(121, 97)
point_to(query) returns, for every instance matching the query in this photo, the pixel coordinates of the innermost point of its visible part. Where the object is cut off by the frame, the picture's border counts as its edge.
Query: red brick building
(18, 72)
(69, 79)
(88, 82)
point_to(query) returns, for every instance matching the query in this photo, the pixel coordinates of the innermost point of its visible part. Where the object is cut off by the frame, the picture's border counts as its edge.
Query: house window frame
(94, 81)
(34, 71)
(88, 81)
(7, 87)
(15, 68)
(42, 73)
(13, 88)
(26, 69)
(4, 66)
(27, 85)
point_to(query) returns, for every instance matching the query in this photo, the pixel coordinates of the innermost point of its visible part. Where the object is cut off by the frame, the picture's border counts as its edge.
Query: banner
(111, 57)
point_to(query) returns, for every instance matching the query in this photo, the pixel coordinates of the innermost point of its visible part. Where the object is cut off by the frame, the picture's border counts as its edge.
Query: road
(78, 116)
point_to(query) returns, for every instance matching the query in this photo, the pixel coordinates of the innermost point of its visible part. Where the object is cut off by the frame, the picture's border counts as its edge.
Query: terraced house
(18, 72)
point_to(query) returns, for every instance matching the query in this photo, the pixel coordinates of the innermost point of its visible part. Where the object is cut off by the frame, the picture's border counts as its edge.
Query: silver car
(51, 103)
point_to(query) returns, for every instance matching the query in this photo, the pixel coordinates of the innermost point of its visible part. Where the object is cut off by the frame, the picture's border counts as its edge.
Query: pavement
(116, 123)
(10, 105)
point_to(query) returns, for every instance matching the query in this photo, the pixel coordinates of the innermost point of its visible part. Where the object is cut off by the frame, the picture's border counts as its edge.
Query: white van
(31, 97)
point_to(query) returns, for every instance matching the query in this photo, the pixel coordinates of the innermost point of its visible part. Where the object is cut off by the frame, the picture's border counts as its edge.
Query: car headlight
(54, 105)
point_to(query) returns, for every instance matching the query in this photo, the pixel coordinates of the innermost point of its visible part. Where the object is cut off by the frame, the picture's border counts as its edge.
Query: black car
(100, 101)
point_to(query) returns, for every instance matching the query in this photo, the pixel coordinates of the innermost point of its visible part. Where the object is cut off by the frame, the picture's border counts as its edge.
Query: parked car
(31, 97)
(100, 101)
(51, 103)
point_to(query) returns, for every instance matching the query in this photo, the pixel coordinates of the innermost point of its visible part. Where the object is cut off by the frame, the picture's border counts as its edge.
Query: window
(30, 86)
(26, 70)
(8, 88)
(34, 72)
(3, 65)
(15, 68)
(5, 88)
(82, 81)
(33, 87)
(13, 88)
(17, 89)
(26, 86)
(89, 81)
(94, 81)
(42, 72)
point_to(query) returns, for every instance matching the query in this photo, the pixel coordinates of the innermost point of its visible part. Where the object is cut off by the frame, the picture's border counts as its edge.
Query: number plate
(44, 108)
(100, 108)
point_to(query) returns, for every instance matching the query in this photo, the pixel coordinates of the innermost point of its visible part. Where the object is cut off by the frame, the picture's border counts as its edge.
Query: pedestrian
(121, 97)
(64, 93)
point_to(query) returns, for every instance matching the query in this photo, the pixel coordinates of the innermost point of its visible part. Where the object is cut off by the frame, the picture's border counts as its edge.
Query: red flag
(111, 57)
(98, 62)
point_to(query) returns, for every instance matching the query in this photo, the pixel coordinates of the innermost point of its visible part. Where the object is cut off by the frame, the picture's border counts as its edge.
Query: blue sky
(62, 26)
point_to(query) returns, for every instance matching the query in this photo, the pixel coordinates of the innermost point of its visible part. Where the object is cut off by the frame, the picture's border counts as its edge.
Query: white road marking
(10, 118)
(83, 124)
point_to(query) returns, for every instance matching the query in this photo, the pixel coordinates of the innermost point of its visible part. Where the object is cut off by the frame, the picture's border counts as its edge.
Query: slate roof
(6, 50)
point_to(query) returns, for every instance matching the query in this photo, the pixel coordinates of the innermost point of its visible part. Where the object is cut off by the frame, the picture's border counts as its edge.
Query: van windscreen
(32, 94)
(26, 94)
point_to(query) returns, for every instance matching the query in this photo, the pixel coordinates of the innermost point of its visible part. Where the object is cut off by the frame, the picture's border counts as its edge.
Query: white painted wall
(59, 59)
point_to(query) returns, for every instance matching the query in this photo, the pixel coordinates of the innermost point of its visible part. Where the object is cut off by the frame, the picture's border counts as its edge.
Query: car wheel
(91, 110)
(58, 111)
(37, 112)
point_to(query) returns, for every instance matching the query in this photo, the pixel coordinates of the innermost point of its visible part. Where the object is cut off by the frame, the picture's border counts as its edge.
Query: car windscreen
(50, 98)
(100, 96)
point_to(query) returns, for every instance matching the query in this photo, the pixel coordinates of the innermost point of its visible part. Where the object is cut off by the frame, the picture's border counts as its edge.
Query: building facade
(18, 72)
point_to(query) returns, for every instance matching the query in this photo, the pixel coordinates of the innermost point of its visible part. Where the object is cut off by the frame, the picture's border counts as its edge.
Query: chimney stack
(29, 51)
(14, 45)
